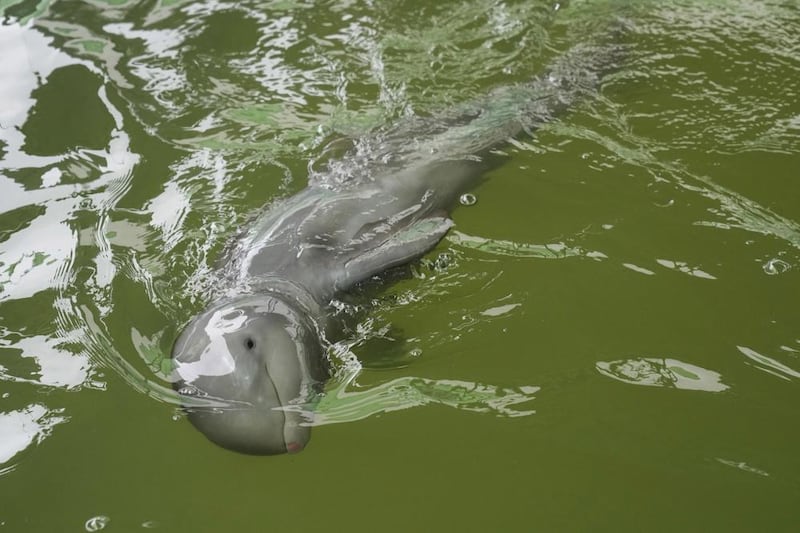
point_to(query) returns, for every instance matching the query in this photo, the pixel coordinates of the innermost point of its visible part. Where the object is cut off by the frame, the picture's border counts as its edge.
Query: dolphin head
(255, 360)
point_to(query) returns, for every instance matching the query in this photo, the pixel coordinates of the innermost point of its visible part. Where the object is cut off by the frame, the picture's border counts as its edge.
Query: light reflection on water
(22, 427)
(662, 372)
(769, 364)
(41, 255)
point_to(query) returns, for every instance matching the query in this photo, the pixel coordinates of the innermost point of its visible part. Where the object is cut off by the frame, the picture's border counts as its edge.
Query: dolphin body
(258, 353)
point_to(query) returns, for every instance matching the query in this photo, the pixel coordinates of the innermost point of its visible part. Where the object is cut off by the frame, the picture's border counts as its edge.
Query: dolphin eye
(250, 343)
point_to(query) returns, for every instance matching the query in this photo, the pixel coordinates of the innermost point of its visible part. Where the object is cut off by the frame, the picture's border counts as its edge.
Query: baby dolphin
(250, 365)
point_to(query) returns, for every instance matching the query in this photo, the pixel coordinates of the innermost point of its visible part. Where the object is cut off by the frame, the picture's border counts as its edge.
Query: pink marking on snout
(294, 447)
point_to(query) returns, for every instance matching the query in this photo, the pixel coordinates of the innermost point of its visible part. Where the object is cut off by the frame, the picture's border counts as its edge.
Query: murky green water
(609, 340)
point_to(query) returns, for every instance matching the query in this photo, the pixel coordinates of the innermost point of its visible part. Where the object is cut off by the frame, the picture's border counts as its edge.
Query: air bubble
(96, 523)
(443, 261)
(774, 267)
(188, 390)
(468, 199)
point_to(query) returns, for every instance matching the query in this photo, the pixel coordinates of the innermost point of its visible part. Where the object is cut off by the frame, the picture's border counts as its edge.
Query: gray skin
(257, 355)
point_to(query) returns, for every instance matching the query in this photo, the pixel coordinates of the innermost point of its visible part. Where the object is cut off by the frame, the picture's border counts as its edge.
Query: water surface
(608, 340)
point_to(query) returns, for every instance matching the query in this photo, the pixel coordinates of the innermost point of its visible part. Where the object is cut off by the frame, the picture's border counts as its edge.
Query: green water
(608, 341)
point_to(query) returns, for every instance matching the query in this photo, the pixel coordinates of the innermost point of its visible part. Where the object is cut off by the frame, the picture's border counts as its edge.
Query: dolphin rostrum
(259, 351)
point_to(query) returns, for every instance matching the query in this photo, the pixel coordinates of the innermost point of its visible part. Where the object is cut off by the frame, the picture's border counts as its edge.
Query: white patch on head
(216, 359)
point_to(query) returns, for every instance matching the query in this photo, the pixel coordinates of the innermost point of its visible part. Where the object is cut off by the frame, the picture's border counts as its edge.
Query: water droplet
(150, 524)
(776, 266)
(468, 199)
(96, 523)
(6, 395)
(416, 352)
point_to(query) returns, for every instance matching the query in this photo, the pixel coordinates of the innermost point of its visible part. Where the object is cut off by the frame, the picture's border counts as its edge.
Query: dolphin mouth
(289, 447)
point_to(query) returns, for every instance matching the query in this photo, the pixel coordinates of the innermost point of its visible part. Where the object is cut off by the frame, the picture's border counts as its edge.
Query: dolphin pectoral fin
(406, 245)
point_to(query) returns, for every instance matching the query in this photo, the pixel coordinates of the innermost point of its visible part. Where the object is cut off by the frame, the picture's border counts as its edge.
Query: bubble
(774, 267)
(468, 199)
(96, 523)
(191, 390)
(443, 261)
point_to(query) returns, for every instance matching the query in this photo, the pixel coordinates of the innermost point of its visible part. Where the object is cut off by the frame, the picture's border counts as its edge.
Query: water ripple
(662, 372)
(344, 402)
